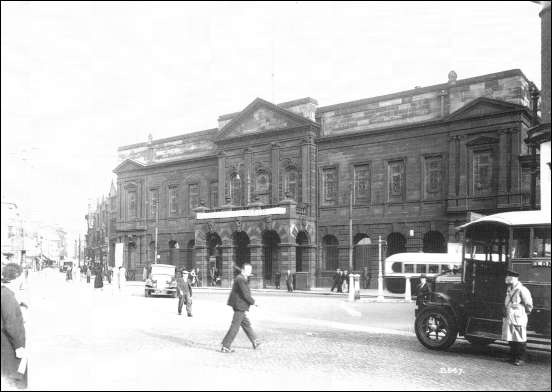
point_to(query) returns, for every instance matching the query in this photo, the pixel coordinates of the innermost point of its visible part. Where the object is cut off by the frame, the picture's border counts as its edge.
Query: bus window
(444, 267)
(520, 243)
(421, 268)
(409, 268)
(541, 243)
(433, 268)
(396, 267)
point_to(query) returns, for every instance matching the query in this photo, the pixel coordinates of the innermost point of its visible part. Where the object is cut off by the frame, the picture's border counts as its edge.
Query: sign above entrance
(237, 213)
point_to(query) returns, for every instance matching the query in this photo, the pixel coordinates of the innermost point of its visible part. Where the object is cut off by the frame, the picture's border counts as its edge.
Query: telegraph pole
(156, 228)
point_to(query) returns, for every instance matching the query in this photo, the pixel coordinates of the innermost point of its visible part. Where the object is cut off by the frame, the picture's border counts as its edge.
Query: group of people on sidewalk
(289, 279)
(341, 281)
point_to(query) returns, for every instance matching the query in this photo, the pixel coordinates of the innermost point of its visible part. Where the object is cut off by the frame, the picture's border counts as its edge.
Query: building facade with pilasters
(273, 184)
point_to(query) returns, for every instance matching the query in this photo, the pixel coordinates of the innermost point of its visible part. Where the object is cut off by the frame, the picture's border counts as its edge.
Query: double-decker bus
(472, 306)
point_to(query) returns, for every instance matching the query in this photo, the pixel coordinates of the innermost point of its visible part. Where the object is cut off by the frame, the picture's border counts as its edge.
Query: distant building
(272, 183)
(99, 246)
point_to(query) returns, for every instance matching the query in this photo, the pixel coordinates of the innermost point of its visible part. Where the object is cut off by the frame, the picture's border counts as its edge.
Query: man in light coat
(184, 291)
(517, 305)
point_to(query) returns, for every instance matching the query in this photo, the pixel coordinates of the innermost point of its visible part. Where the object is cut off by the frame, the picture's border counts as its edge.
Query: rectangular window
(433, 268)
(421, 268)
(173, 200)
(409, 268)
(541, 243)
(329, 183)
(213, 194)
(362, 184)
(193, 196)
(396, 180)
(482, 172)
(432, 177)
(154, 202)
(132, 204)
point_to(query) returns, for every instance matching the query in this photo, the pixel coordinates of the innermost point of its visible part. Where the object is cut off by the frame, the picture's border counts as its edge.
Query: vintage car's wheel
(146, 291)
(479, 341)
(436, 328)
(173, 295)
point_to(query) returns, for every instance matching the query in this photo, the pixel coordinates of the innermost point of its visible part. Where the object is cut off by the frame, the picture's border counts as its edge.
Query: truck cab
(470, 302)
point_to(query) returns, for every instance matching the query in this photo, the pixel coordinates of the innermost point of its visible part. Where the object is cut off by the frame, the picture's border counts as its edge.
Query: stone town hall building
(272, 183)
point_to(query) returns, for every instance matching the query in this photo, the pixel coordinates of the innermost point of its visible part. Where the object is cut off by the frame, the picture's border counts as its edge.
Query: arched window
(434, 242)
(291, 182)
(396, 243)
(330, 252)
(361, 251)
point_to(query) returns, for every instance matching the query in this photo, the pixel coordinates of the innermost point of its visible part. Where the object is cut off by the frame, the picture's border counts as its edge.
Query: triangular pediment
(128, 165)
(261, 116)
(482, 107)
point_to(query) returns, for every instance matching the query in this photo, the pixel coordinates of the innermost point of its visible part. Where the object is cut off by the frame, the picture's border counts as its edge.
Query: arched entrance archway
(214, 252)
(360, 251)
(330, 253)
(396, 243)
(241, 248)
(173, 252)
(132, 255)
(271, 241)
(189, 262)
(301, 261)
(434, 242)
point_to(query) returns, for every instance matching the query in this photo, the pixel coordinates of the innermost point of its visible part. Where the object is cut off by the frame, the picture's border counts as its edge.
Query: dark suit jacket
(423, 290)
(240, 296)
(13, 333)
(184, 286)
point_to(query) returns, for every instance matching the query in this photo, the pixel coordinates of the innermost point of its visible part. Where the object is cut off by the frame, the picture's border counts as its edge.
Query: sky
(79, 80)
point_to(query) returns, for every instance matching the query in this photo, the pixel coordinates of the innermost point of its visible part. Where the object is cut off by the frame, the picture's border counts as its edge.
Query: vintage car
(65, 266)
(161, 280)
(470, 302)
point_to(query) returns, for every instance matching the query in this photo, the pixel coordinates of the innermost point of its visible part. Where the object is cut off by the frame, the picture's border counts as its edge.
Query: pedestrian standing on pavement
(518, 304)
(289, 281)
(79, 273)
(277, 277)
(14, 358)
(422, 289)
(336, 280)
(88, 274)
(184, 291)
(98, 280)
(198, 277)
(240, 300)
(122, 279)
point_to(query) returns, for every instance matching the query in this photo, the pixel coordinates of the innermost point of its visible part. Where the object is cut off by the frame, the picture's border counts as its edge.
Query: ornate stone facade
(276, 180)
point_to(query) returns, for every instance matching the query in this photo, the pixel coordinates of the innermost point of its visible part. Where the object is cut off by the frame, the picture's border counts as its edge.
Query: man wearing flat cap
(184, 291)
(517, 305)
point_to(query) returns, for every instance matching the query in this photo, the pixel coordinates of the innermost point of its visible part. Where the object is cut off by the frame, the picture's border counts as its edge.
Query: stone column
(310, 253)
(305, 170)
(227, 273)
(256, 259)
(287, 257)
(503, 159)
(221, 178)
(515, 185)
(452, 170)
(275, 151)
(464, 174)
(247, 158)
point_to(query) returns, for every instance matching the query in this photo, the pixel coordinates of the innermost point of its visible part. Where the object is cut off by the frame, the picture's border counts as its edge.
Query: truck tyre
(481, 342)
(436, 328)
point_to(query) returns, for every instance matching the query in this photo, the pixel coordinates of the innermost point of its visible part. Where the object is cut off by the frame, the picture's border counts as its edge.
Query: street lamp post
(380, 273)
(351, 277)
(156, 228)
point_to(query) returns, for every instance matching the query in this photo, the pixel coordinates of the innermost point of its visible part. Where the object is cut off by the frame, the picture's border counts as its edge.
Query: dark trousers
(239, 319)
(289, 286)
(517, 350)
(335, 285)
(188, 301)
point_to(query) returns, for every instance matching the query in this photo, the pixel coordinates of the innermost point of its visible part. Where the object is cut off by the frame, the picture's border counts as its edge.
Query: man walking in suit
(337, 280)
(240, 300)
(184, 291)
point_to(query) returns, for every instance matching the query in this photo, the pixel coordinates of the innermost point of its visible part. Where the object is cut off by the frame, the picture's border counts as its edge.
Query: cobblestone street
(81, 338)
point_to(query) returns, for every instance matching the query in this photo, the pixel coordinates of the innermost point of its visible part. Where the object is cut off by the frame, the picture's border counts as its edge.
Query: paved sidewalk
(365, 294)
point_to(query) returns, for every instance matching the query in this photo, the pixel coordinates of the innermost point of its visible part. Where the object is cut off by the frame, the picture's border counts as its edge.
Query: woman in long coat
(98, 281)
(13, 332)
